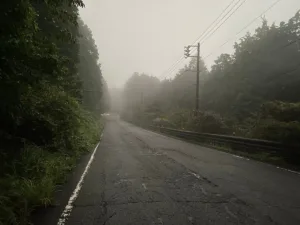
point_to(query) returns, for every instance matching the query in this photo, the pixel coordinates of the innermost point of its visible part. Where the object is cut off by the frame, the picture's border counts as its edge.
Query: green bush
(51, 117)
(45, 69)
(179, 118)
(54, 131)
(278, 121)
(286, 132)
(31, 183)
(207, 122)
(281, 111)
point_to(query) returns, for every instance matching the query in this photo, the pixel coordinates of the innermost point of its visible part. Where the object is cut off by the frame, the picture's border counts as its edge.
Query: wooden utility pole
(187, 54)
(198, 77)
(142, 100)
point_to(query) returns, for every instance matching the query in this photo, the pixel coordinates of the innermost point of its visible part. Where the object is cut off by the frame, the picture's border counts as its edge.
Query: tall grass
(32, 182)
(31, 169)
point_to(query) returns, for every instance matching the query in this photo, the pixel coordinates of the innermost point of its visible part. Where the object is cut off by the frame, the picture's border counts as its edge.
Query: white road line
(68, 209)
(160, 221)
(277, 167)
(196, 175)
(237, 156)
(203, 190)
(291, 171)
(144, 186)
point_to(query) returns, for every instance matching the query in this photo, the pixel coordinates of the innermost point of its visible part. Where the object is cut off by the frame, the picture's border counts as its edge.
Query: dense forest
(253, 92)
(51, 90)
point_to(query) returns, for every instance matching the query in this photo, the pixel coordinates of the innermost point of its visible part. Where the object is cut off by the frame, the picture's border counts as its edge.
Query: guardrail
(233, 142)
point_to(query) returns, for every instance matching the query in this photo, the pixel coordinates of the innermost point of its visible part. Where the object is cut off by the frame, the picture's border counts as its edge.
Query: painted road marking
(291, 171)
(68, 209)
(277, 167)
(144, 186)
(237, 156)
(203, 190)
(196, 175)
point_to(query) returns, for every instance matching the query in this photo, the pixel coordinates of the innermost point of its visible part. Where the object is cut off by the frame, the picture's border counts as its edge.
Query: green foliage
(31, 183)
(263, 69)
(207, 122)
(44, 126)
(30, 178)
(287, 132)
(279, 121)
(94, 87)
(180, 118)
(281, 111)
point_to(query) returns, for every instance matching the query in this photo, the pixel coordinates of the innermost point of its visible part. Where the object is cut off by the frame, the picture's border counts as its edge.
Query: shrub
(31, 182)
(286, 132)
(179, 118)
(279, 121)
(207, 122)
(52, 131)
(281, 111)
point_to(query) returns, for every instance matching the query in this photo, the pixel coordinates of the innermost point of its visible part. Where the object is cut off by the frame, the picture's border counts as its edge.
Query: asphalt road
(140, 177)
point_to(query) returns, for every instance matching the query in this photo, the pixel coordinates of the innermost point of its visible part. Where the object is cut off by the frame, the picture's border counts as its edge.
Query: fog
(149, 36)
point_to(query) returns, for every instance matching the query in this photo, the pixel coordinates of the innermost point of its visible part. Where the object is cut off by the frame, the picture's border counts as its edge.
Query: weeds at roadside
(31, 180)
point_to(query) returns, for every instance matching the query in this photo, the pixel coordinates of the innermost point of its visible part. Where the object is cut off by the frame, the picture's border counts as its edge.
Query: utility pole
(142, 101)
(198, 77)
(187, 54)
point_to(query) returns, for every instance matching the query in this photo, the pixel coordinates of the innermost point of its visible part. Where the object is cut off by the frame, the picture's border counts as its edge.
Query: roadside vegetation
(51, 90)
(253, 92)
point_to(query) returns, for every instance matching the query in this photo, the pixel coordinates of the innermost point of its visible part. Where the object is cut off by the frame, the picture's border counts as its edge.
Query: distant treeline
(254, 92)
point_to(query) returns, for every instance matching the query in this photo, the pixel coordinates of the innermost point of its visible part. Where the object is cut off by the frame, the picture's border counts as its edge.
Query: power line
(286, 72)
(214, 21)
(224, 21)
(272, 50)
(293, 42)
(172, 67)
(244, 28)
(284, 46)
(275, 49)
(204, 33)
(213, 31)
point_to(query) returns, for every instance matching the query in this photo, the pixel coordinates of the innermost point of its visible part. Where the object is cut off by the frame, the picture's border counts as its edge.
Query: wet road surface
(140, 177)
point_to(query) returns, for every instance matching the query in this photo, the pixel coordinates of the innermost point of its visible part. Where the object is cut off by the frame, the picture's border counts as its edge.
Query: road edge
(68, 208)
(52, 214)
(235, 154)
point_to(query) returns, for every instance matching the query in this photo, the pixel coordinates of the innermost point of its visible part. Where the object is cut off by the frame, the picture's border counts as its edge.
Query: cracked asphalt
(141, 177)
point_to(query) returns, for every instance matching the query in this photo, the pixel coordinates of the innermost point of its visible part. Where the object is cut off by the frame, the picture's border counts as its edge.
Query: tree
(44, 126)
(90, 70)
(264, 67)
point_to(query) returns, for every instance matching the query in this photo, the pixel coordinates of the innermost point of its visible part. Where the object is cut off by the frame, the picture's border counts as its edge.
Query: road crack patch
(108, 218)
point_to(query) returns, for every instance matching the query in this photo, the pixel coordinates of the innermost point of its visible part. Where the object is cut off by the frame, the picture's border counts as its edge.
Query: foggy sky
(149, 35)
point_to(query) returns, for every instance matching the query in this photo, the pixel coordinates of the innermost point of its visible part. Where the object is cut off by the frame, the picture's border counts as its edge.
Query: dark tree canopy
(51, 90)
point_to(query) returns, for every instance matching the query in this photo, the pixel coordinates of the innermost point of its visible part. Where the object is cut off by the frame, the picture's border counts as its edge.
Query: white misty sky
(149, 35)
